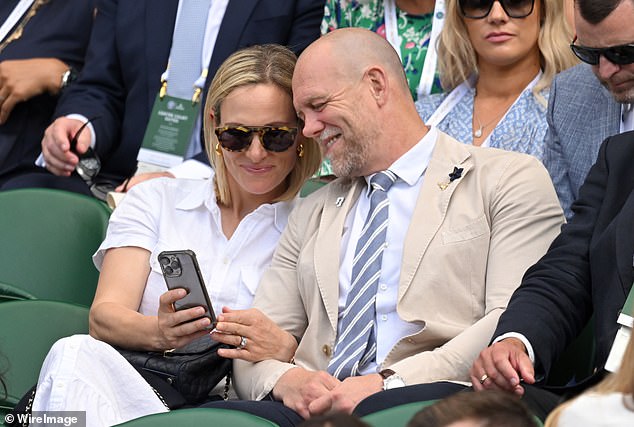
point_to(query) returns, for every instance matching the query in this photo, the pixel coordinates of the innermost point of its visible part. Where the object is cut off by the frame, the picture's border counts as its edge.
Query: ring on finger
(243, 343)
(483, 378)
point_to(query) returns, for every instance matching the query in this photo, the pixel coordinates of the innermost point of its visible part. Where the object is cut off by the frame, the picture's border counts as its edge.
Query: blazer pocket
(470, 231)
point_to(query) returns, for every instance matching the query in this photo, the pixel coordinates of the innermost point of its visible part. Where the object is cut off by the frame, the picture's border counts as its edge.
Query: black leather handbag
(193, 370)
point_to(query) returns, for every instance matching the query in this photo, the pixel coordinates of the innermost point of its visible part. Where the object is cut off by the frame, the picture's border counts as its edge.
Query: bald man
(420, 300)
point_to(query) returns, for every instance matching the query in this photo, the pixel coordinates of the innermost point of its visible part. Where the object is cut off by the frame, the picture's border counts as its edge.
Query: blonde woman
(497, 60)
(232, 222)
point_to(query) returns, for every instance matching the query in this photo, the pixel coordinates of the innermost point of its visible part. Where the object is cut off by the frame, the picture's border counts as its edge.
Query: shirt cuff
(93, 137)
(527, 344)
(191, 169)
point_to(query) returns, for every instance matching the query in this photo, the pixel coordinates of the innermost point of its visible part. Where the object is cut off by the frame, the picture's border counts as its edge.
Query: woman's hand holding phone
(178, 328)
(264, 339)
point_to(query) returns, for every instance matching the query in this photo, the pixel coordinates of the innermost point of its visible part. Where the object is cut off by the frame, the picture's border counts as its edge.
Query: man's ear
(378, 84)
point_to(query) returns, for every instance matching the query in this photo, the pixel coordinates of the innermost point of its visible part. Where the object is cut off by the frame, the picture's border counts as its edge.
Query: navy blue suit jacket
(60, 29)
(587, 269)
(129, 50)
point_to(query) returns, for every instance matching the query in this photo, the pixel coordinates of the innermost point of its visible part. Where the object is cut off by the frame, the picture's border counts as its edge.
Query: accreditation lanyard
(456, 95)
(431, 57)
(214, 20)
(18, 11)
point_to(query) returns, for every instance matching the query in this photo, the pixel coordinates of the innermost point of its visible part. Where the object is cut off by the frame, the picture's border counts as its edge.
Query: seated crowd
(479, 217)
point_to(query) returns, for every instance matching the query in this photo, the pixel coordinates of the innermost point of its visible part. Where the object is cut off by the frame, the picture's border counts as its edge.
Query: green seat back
(398, 416)
(28, 329)
(48, 238)
(200, 417)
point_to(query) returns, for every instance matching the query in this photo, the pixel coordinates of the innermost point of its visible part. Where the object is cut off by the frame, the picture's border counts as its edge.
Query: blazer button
(327, 350)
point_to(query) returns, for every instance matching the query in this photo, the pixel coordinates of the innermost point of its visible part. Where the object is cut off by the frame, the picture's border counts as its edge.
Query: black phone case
(181, 270)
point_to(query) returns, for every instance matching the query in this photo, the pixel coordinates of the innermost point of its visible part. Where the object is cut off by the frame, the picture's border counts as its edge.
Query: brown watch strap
(386, 373)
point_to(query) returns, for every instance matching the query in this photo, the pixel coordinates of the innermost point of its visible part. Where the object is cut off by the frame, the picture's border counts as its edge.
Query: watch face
(393, 381)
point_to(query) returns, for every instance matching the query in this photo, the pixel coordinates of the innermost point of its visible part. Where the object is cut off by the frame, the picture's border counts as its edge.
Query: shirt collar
(412, 165)
(207, 198)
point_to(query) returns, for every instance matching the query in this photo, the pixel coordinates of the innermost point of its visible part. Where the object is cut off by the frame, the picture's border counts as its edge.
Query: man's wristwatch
(391, 379)
(68, 77)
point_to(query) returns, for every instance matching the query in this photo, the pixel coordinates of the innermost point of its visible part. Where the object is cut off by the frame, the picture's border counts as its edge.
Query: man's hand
(297, 388)
(21, 80)
(56, 145)
(345, 396)
(502, 366)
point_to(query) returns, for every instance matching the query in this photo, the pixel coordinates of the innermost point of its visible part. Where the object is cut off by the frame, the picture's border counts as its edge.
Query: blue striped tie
(356, 344)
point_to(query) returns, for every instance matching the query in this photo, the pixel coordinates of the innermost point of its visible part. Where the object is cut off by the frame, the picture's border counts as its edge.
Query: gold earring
(218, 150)
(300, 150)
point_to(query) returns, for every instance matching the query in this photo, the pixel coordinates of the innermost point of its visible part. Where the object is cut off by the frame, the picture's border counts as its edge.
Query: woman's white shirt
(172, 214)
(84, 374)
(599, 410)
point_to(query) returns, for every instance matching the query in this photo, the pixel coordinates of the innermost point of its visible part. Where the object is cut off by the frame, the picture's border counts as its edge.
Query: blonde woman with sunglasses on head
(232, 222)
(497, 59)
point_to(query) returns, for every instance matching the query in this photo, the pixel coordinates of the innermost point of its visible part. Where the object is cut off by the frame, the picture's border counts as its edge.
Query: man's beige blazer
(468, 244)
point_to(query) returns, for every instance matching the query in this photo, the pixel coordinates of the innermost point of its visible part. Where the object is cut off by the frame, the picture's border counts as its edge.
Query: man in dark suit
(588, 269)
(32, 71)
(128, 51)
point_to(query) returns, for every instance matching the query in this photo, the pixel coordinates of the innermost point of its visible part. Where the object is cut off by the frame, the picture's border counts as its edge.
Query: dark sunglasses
(273, 138)
(478, 9)
(619, 55)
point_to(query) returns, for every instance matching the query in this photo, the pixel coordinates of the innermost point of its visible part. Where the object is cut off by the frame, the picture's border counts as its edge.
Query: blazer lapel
(432, 204)
(612, 117)
(236, 16)
(340, 198)
(160, 19)
(625, 244)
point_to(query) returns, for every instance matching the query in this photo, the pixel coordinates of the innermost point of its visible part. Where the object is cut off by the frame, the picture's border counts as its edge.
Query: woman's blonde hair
(619, 382)
(457, 59)
(260, 64)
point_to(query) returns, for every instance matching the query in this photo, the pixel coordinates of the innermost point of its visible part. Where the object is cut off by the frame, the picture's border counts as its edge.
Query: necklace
(477, 133)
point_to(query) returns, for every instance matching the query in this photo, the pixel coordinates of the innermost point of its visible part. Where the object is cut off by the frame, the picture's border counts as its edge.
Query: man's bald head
(353, 50)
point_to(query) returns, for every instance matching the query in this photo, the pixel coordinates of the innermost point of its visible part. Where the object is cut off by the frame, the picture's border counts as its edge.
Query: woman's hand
(264, 339)
(177, 328)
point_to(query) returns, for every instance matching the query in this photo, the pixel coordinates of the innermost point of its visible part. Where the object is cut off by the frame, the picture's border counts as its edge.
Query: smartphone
(180, 270)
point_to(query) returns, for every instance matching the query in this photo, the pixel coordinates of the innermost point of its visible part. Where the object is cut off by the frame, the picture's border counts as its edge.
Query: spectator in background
(490, 409)
(498, 59)
(42, 47)
(128, 52)
(583, 108)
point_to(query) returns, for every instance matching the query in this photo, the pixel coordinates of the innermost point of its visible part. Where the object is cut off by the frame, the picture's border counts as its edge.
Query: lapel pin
(339, 201)
(457, 173)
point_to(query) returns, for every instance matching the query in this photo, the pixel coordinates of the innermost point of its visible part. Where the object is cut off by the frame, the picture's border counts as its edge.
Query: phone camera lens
(164, 260)
(175, 264)
(169, 270)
